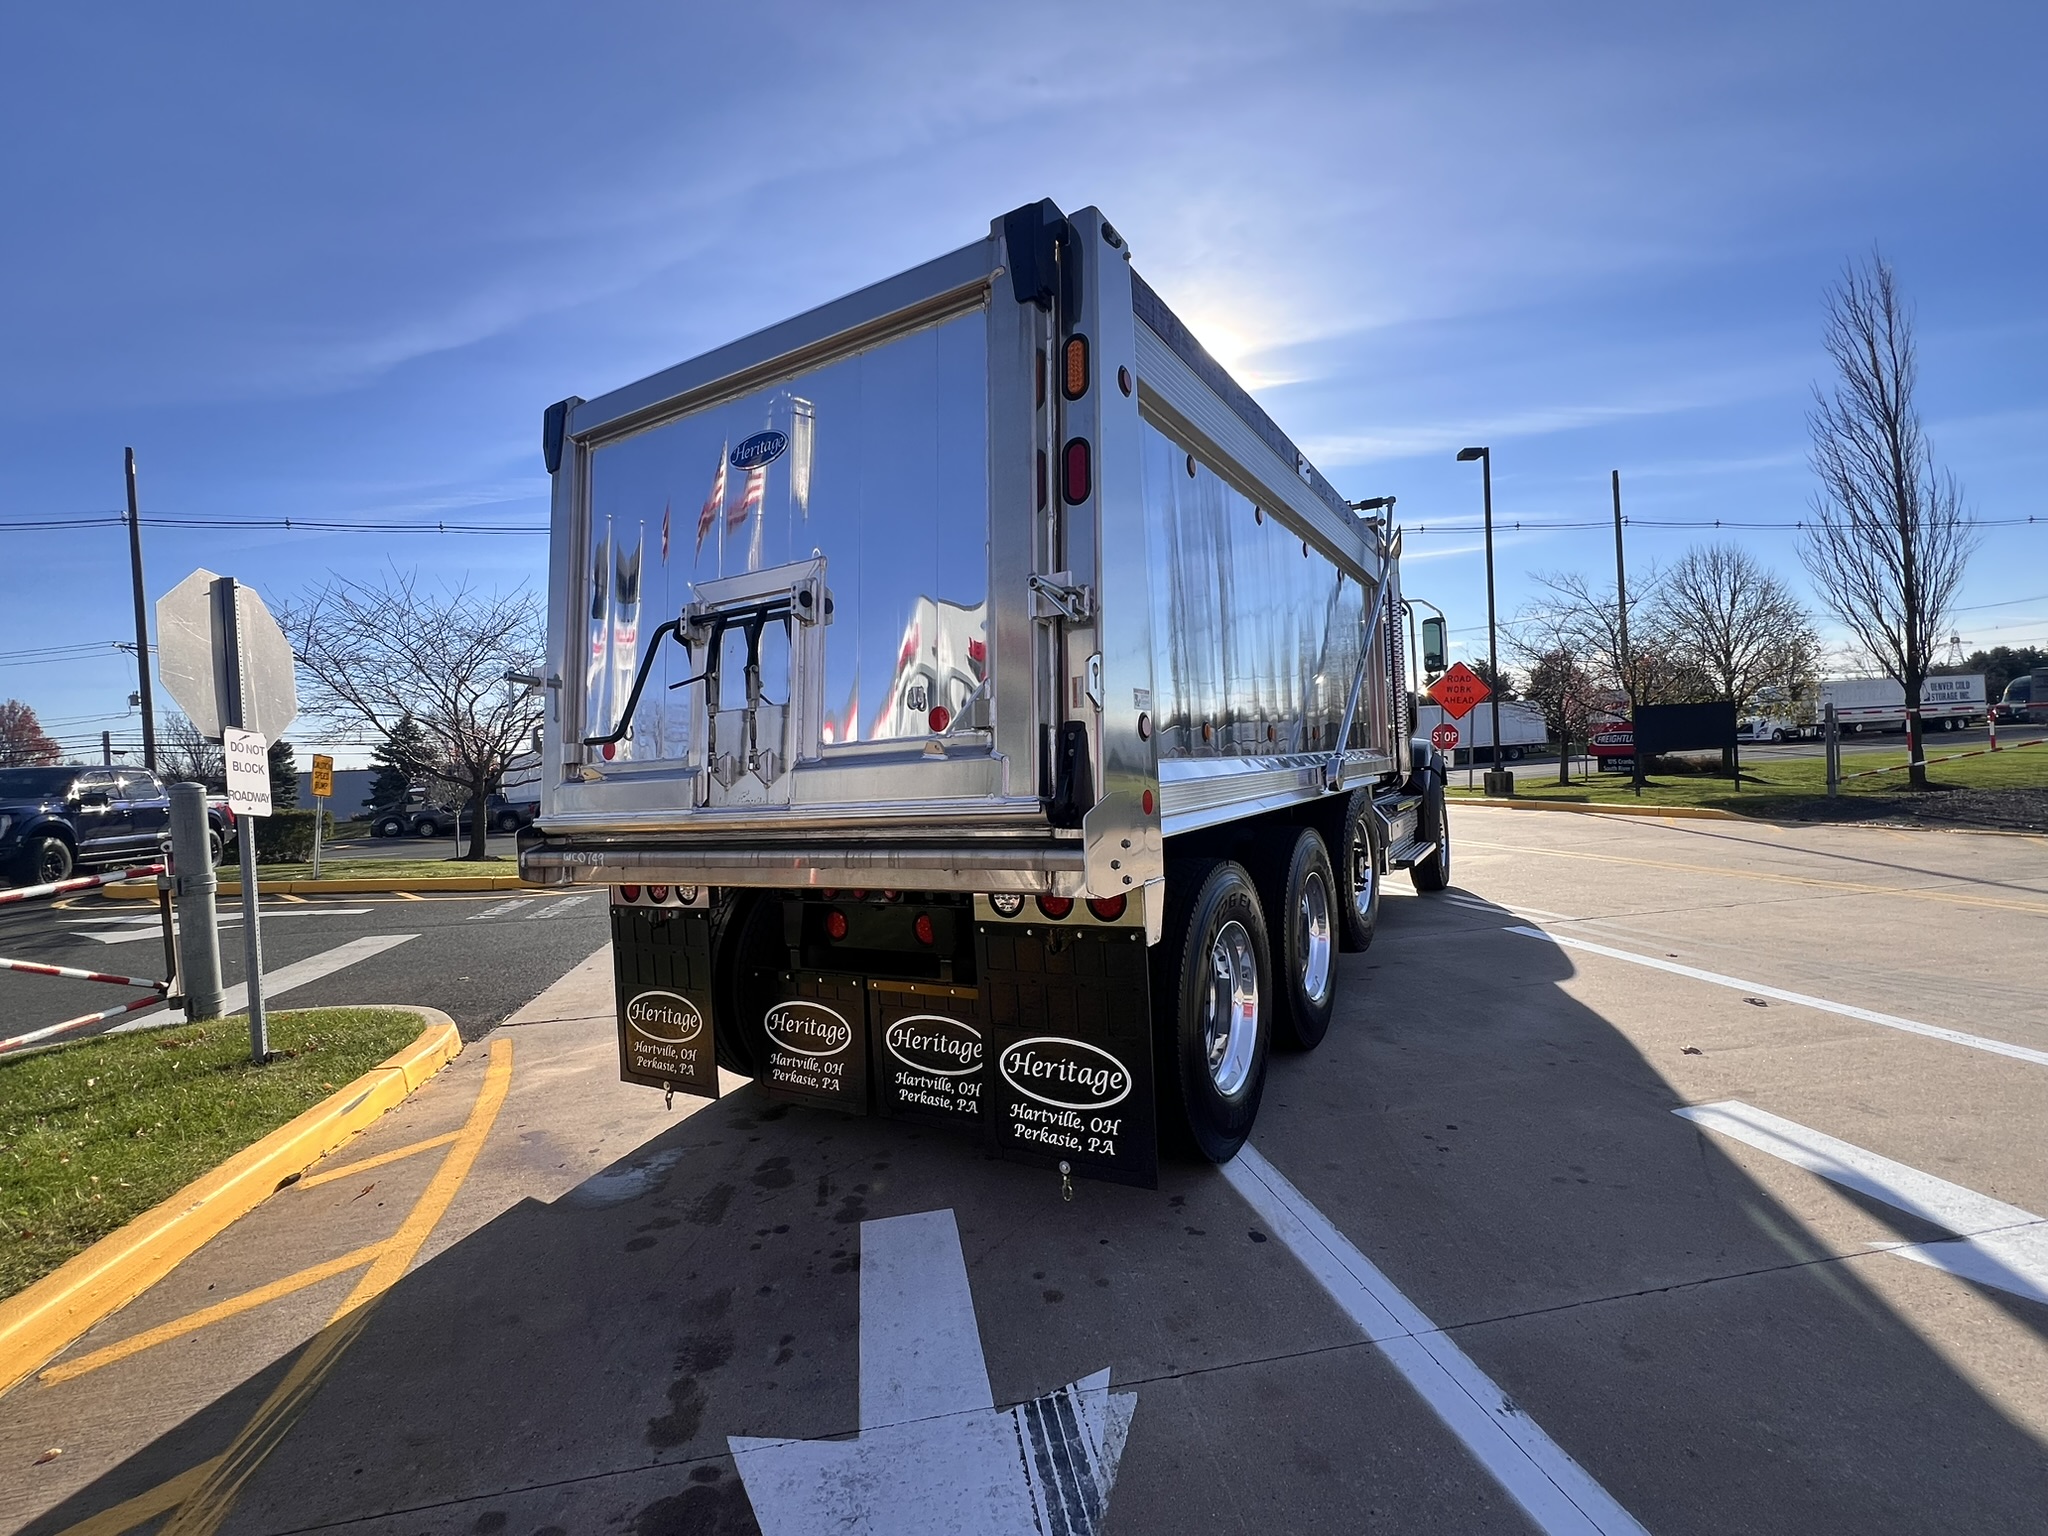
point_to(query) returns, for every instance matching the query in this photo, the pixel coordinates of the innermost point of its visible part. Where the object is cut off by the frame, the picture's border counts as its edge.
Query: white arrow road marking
(1757, 988)
(502, 908)
(935, 1455)
(284, 978)
(150, 928)
(1996, 1244)
(1552, 1489)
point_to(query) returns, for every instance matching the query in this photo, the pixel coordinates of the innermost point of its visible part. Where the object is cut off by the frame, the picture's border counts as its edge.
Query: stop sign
(1444, 737)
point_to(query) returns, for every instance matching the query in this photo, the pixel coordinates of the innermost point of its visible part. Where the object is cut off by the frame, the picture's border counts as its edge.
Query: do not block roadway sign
(248, 771)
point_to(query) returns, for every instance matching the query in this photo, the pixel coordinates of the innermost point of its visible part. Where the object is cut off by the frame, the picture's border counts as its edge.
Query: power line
(304, 524)
(1531, 526)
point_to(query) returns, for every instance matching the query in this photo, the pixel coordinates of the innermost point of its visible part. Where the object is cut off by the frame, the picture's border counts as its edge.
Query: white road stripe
(561, 906)
(1757, 988)
(502, 908)
(1998, 1244)
(150, 928)
(298, 974)
(920, 1347)
(1552, 1489)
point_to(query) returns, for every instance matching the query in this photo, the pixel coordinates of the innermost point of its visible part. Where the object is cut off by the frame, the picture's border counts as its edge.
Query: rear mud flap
(817, 1040)
(929, 1043)
(661, 968)
(1069, 1073)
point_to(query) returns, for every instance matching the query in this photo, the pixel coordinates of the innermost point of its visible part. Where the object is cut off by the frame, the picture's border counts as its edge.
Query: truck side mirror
(1433, 646)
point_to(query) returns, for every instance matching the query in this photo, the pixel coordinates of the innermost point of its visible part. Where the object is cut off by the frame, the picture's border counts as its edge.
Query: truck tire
(426, 826)
(46, 860)
(508, 822)
(746, 942)
(1357, 864)
(1299, 892)
(216, 847)
(1434, 872)
(1211, 1008)
(388, 826)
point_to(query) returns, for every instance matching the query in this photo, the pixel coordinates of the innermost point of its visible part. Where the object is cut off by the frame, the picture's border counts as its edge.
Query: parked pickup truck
(500, 814)
(56, 820)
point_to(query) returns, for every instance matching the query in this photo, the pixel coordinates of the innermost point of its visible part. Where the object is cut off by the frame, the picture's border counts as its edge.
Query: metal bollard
(193, 884)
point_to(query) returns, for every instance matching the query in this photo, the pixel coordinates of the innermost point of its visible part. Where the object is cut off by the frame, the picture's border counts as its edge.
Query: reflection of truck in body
(1160, 770)
(1950, 702)
(1522, 731)
(2025, 700)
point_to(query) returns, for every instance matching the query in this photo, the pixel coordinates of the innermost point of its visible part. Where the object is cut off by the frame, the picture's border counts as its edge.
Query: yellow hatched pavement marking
(329, 1175)
(1847, 887)
(200, 1499)
(206, 1317)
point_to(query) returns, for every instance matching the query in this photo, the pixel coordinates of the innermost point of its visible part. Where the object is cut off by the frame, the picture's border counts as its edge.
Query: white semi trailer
(1950, 702)
(1009, 725)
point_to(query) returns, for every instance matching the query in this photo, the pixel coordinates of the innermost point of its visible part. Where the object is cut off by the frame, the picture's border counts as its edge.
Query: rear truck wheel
(1298, 889)
(508, 822)
(425, 828)
(1212, 1008)
(1356, 868)
(389, 826)
(216, 847)
(746, 944)
(46, 860)
(1434, 873)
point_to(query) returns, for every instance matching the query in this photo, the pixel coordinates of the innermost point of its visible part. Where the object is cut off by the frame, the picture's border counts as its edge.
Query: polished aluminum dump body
(866, 599)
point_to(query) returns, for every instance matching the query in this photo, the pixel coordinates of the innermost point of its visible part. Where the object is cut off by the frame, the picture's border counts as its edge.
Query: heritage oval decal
(665, 1017)
(1067, 1074)
(929, 1042)
(763, 448)
(807, 1028)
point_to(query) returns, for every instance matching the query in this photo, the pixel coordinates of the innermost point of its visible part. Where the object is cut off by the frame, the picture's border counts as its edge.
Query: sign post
(222, 657)
(323, 786)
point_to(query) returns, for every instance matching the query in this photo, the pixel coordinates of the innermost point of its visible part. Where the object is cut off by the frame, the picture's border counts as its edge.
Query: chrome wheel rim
(1230, 1019)
(1312, 937)
(1363, 873)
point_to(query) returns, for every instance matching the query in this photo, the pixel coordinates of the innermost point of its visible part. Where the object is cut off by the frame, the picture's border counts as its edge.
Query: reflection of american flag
(709, 513)
(664, 533)
(750, 498)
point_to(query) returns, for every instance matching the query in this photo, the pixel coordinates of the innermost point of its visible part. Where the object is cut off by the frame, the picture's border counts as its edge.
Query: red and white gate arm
(72, 973)
(80, 1022)
(81, 883)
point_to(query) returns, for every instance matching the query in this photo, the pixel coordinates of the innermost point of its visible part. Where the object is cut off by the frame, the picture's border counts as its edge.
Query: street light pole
(1499, 781)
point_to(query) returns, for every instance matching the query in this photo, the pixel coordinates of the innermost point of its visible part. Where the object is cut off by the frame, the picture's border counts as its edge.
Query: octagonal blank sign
(192, 658)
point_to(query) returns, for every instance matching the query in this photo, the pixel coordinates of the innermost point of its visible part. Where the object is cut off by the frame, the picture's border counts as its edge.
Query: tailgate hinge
(1059, 596)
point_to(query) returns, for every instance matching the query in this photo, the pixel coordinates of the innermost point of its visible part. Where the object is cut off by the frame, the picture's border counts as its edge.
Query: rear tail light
(941, 717)
(1075, 381)
(1108, 909)
(926, 933)
(629, 893)
(1006, 903)
(1055, 907)
(657, 894)
(835, 925)
(1077, 472)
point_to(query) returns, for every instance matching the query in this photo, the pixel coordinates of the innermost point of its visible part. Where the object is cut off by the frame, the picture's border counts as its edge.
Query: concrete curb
(39, 1322)
(145, 890)
(1607, 808)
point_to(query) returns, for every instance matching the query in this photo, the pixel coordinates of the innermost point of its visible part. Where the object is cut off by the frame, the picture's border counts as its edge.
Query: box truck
(981, 711)
(1522, 731)
(1950, 702)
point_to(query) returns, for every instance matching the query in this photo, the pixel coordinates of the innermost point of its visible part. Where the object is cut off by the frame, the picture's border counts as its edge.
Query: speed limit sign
(1444, 737)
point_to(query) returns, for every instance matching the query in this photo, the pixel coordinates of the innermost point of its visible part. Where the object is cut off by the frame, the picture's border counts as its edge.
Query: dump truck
(980, 711)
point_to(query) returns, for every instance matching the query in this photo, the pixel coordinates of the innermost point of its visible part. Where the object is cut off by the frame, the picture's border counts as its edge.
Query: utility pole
(1621, 613)
(147, 697)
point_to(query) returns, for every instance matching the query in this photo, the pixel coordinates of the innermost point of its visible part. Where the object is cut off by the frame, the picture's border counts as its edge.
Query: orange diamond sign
(1458, 691)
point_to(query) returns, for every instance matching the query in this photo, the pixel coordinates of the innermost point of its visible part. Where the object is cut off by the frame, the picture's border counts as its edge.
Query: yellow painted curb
(145, 890)
(1606, 808)
(42, 1320)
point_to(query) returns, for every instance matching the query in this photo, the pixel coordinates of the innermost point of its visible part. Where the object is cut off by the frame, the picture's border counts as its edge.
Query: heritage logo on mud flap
(665, 1017)
(1067, 1074)
(808, 1029)
(927, 1042)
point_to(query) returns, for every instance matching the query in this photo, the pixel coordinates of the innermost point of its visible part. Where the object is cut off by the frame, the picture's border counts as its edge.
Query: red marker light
(835, 925)
(941, 717)
(1145, 800)
(657, 894)
(1079, 479)
(610, 750)
(926, 933)
(629, 893)
(1055, 907)
(1107, 909)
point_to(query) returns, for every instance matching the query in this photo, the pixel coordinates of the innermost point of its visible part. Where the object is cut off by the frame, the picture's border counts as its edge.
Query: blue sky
(334, 264)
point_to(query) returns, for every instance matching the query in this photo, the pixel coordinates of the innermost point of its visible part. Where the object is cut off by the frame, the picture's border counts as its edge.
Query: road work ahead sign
(248, 759)
(1459, 691)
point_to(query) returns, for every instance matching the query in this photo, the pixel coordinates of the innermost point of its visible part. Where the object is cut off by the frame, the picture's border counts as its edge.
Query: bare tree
(1890, 541)
(1560, 685)
(183, 754)
(1737, 625)
(375, 654)
(1576, 615)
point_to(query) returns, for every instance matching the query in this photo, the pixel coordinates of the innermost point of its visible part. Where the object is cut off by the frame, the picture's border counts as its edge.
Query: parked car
(54, 821)
(500, 814)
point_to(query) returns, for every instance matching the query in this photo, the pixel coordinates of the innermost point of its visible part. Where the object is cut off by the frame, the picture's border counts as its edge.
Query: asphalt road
(1939, 743)
(1661, 1176)
(477, 956)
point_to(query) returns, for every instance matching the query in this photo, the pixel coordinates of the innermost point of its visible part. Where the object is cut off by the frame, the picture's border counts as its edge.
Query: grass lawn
(1773, 785)
(94, 1133)
(378, 869)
